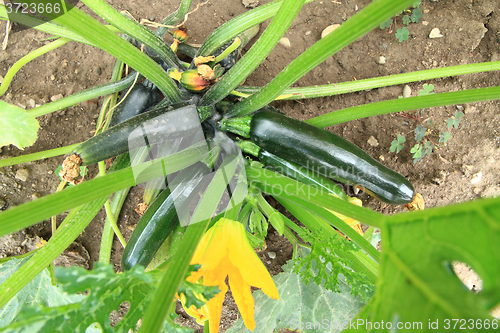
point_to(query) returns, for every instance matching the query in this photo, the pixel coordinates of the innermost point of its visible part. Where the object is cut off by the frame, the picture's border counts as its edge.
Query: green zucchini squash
(140, 98)
(119, 139)
(329, 155)
(300, 174)
(161, 218)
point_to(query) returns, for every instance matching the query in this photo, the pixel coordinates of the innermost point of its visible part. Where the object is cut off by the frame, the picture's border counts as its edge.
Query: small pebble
(435, 33)
(381, 60)
(356, 7)
(381, 157)
(476, 190)
(372, 141)
(31, 102)
(271, 255)
(56, 97)
(22, 174)
(329, 29)
(285, 42)
(490, 159)
(406, 91)
(250, 3)
(308, 33)
(52, 77)
(425, 23)
(1, 78)
(476, 178)
(35, 196)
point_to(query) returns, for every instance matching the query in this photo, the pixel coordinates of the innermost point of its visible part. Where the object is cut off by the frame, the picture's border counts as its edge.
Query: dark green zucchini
(140, 98)
(300, 174)
(161, 218)
(123, 137)
(329, 155)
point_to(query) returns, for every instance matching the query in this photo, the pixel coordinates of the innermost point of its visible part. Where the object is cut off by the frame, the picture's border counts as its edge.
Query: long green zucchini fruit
(323, 152)
(136, 132)
(293, 170)
(161, 218)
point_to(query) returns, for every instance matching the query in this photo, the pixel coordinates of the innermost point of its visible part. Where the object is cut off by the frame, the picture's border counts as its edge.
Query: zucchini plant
(184, 126)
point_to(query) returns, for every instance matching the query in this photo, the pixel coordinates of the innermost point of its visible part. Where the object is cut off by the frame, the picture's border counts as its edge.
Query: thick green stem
(29, 213)
(38, 156)
(358, 25)
(162, 303)
(72, 226)
(366, 84)
(27, 58)
(82, 96)
(254, 57)
(134, 29)
(405, 104)
(98, 34)
(175, 17)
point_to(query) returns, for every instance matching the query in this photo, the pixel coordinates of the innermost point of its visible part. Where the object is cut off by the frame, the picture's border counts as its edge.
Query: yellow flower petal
(224, 251)
(243, 298)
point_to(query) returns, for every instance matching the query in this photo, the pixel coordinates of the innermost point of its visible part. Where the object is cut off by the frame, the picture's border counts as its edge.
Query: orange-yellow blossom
(350, 221)
(225, 251)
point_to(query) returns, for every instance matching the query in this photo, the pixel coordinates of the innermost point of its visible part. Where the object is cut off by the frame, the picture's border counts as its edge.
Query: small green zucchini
(118, 139)
(140, 98)
(161, 218)
(300, 174)
(329, 155)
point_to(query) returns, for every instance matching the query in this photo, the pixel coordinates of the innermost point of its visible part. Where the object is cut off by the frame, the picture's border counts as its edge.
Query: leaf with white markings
(301, 305)
(39, 291)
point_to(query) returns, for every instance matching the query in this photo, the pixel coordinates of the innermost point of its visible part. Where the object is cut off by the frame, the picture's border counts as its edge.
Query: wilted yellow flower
(224, 251)
(349, 220)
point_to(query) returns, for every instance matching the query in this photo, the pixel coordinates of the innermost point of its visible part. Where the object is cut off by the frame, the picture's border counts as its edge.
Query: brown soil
(471, 34)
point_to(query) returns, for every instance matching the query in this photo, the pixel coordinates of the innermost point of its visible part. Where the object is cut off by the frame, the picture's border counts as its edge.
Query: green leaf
(107, 290)
(38, 291)
(300, 305)
(450, 122)
(16, 126)
(402, 34)
(458, 118)
(443, 137)
(416, 15)
(428, 88)
(421, 270)
(327, 260)
(420, 132)
(406, 20)
(416, 4)
(386, 24)
(398, 144)
(417, 152)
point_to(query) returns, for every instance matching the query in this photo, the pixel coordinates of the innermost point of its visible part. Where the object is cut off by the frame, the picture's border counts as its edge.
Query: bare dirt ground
(465, 169)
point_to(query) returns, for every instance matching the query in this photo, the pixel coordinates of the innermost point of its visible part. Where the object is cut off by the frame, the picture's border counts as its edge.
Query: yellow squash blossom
(224, 251)
(350, 221)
